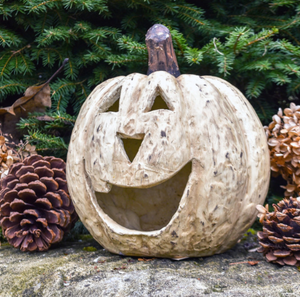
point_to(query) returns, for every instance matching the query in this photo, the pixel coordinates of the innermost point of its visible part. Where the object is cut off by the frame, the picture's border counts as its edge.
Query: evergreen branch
(41, 6)
(62, 93)
(98, 46)
(294, 21)
(58, 103)
(261, 107)
(12, 85)
(282, 3)
(255, 87)
(8, 38)
(13, 54)
(123, 59)
(84, 91)
(291, 36)
(42, 51)
(67, 84)
(192, 18)
(257, 16)
(193, 9)
(236, 42)
(127, 43)
(272, 32)
(45, 141)
(296, 88)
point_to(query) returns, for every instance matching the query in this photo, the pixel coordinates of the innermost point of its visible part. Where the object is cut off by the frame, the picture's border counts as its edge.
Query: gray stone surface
(69, 270)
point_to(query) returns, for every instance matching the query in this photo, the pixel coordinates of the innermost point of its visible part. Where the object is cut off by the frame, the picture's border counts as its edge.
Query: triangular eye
(159, 103)
(132, 146)
(114, 107)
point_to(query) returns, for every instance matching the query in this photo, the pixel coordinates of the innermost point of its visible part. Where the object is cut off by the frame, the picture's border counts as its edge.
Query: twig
(214, 40)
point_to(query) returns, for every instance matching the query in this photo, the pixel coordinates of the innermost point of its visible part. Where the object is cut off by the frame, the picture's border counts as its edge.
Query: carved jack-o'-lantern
(175, 170)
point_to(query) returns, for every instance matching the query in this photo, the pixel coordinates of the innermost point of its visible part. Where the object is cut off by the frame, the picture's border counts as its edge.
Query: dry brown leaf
(35, 99)
(39, 94)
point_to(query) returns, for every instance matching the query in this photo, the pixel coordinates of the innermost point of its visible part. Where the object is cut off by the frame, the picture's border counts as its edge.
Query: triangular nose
(131, 145)
(159, 103)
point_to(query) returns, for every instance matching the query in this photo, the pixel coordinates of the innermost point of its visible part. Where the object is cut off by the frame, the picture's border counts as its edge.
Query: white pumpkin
(198, 174)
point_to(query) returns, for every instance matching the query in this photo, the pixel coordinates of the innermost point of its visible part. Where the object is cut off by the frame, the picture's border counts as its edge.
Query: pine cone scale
(54, 199)
(10, 232)
(41, 244)
(297, 255)
(19, 205)
(12, 183)
(16, 241)
(281, 253)
(7, 179)
(270, 257)
(7, 223)
(290, 260)
(5, 209)
(41, 163)
(275, 239)
(23, 170)
(26, 221)
(293, 247)
(27, 195)
(57, 232)
(15, 216)
(50, 183)
(43, 221)
(20, 186)
(44, 171)
(38, 187)
(32, 212)
(29, 177)
(44, 203)
(291, 239)
(59, 173)
(10, 196)
(66, 200)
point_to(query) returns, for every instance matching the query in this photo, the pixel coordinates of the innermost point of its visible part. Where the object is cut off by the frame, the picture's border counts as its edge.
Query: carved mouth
(145, 209)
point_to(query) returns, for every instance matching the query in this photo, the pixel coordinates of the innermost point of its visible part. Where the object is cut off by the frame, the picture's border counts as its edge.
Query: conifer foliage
(255, 45)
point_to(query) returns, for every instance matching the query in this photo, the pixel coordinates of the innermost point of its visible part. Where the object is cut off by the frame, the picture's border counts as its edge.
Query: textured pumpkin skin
(210, 124)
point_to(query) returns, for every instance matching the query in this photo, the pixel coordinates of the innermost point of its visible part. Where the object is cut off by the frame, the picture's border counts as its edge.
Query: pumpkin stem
(161, 55)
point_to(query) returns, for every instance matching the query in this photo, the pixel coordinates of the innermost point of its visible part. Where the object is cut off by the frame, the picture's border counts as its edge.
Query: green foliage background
(255, 45)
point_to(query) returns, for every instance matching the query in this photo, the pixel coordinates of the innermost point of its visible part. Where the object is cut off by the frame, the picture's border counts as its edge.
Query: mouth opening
(146, 209)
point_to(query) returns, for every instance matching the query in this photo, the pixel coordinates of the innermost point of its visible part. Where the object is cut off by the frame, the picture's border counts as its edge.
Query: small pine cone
(280, 238)
(35, 206)
(7, 156)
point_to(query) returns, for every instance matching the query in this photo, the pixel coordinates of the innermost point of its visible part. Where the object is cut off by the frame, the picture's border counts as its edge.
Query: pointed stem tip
(66, 60)
(161, 55)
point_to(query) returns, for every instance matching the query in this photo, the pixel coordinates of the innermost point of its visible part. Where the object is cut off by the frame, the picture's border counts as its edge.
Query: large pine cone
(283, 135)
(280, 238)
(35, 206)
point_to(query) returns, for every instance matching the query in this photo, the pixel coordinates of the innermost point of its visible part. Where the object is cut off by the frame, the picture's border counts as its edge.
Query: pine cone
(283, 135)
(280, 238)
(35, 206)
